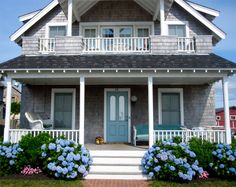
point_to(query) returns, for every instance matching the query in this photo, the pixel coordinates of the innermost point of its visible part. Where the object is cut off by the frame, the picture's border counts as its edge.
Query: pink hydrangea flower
(30, 171)
(204, 175)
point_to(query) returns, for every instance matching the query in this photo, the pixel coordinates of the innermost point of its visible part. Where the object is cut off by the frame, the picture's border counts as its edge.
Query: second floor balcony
(148, 45)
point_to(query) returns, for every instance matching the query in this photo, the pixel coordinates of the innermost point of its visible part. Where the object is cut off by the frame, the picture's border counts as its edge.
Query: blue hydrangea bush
(65, 159)
(171, 162)
(9, 157)
(224, 161)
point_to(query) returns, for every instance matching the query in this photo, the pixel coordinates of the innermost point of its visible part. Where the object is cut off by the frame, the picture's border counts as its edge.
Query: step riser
(120, 154)
(115, 169)
(116, 161)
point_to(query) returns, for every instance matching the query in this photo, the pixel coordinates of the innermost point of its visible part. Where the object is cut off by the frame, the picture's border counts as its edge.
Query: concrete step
(117, 177)
(101, 169)
(116, 161)
(133, 154)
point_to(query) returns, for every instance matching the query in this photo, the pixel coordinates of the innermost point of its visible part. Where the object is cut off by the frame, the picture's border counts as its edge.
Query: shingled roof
(211, 61)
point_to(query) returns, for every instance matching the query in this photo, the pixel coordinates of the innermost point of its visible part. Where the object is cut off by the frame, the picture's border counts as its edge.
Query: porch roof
(210, 62)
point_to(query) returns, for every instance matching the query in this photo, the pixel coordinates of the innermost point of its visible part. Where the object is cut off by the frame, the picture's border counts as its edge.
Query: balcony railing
(186, 45)
(47, 45)
(117, 44)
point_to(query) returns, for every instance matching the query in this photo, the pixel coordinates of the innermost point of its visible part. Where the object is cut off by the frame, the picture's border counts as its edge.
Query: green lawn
(39, 183)
(212, 183)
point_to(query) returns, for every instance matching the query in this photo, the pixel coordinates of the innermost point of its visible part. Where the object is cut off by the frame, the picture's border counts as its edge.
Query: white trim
(232, 117)
(204, 9)
(69, 17)
(54, 24)
(28, 16)
(225, 87)
(150, 111)
(105, 110)
(132, 24)
(162, 17)
(82, 110)
(186, 23)
(218, 118)
(64, 90)
(170, 90)
(34, 20)
(201, 18)
(8, 109)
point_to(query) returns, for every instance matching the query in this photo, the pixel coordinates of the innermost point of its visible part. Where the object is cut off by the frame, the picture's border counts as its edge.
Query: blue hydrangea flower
(172, 168)
(43, 147)
(77, 157)
(52, 146)
(43, 154)
(11, 162)
(61, 158)
(221, 166)
(81, 169)
(151, 174)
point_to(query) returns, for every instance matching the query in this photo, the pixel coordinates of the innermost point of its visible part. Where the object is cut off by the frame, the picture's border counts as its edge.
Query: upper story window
(57, 31)
(177, 30)
(143, 32)
(90, 32)
(125, 32)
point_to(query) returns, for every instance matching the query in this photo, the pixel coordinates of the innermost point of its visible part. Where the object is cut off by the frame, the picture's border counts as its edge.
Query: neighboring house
(100, 68)
(220, 117)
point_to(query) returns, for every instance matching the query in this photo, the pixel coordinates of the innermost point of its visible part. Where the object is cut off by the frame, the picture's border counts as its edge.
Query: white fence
(117, 44)
(16, 134)
(47, 45)
(216, 136)
(186, 44)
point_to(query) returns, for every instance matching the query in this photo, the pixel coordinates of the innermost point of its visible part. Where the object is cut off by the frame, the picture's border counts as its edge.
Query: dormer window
(57, 31)
(177, 30)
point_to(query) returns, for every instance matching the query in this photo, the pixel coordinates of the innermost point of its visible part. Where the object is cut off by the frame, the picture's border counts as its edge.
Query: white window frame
(170, 90)
(132, 24)
(96, 30)
(142, 27)
(54, 24)
(186, 23)
(218, 118)
(105, 110)
(64, 90)
(233, 117)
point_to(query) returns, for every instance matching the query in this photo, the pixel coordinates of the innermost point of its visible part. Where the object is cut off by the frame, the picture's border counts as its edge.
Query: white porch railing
(47, 45)
(186, 44)
(216, 136)
(15, 135)
(117, 44)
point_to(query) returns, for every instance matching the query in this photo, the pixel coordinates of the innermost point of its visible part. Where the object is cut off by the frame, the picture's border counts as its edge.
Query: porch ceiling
(121, 81)
(80, 7)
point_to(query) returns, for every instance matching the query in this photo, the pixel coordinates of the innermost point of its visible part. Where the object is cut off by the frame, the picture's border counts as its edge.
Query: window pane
(125, 32)
(143, 32)
(108, 33)
(171, 108)
(121, 108)
(177, 30)
(57, 31)
(112, 108)
(90, 33)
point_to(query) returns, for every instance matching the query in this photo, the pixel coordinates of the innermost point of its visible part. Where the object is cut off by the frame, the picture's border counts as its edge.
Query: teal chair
(141, 131)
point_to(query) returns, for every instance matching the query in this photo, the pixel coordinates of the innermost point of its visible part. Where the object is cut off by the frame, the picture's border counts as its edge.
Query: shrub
(9, 159)
(65, 159)
(203, 150)
(171, 161)
(224, 161)
(32, 149)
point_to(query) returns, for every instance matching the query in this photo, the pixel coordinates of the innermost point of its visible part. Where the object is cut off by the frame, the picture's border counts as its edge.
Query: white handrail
(47, 45)
(186, 44)
(117, 44)
(16, 134)
(216, 136)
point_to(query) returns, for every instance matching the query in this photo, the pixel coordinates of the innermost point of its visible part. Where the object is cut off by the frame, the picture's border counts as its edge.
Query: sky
(11, 9)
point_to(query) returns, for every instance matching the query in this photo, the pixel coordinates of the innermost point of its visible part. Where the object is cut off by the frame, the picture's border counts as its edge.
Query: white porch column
(162, 17)
(150, 110)
(8, 110)
(82, 108)
(226, 109)
(70, 15)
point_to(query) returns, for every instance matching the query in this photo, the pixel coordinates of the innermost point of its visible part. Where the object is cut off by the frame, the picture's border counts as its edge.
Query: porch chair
(36, 122)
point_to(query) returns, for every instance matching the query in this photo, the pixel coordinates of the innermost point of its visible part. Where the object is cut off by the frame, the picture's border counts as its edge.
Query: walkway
(115, 183)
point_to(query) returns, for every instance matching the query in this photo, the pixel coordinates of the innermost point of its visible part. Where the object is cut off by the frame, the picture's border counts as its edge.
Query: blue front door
(117, 116)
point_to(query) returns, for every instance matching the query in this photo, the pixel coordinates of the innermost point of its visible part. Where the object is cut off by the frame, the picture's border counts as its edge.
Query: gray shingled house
(102, 68)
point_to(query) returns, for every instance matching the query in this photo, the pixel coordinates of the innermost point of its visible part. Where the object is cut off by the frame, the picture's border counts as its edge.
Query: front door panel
(117, 116)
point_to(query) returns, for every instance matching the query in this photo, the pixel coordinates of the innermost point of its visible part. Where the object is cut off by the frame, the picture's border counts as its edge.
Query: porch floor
(121, 147)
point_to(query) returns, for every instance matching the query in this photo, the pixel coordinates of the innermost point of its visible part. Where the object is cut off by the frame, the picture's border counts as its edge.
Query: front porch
(93, 110)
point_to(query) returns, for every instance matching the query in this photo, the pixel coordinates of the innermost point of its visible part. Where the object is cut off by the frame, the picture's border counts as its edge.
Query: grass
(39, 183)
(214, 183)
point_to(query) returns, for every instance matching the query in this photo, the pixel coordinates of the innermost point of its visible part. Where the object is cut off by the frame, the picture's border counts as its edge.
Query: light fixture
(134, 98)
